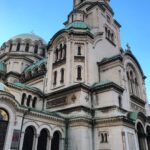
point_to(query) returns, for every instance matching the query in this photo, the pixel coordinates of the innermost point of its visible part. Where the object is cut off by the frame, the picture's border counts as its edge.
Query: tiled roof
(36, 64)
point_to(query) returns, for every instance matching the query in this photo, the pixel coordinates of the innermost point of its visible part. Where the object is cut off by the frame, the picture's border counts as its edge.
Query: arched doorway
(141, 137)
(42, 141)
(148, 136)
(55, 141)
(4, 119)
(28, 138)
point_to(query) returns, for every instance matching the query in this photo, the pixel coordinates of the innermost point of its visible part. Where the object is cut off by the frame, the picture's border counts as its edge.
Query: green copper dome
(77, 25)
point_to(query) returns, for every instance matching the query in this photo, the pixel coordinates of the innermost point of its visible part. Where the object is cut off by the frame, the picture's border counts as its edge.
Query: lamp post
(23, 117)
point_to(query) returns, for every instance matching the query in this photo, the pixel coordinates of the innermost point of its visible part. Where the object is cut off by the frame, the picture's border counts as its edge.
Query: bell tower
(78, 2)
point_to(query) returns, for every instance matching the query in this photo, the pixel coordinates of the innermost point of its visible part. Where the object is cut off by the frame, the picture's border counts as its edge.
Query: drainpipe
(23, 117)
(66, 134)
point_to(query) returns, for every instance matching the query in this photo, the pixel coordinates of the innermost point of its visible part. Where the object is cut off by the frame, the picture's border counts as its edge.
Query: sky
(46, 17)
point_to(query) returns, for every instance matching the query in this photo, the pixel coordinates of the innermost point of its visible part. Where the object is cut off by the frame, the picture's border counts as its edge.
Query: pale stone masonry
(81, 91)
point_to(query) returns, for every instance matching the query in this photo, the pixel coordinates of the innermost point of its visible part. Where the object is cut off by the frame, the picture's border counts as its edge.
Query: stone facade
(81, 91)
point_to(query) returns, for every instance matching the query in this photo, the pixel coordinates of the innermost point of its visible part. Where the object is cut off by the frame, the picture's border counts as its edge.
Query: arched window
(56, 54)
(18, 47)
(43, 52)
(55, 141)
(62, 75)
(148, 136)
(61, 51)
(42, 141)
(112, 37)
(28, 138)
(55, 78)
(27, 47)
(79, 73)
(120, 101)
(23, 98)
(79, 50)
(141, 137)
(34, 102)
(106, 32)
(133, 82)
(65, 48)
(4, 119)
(28, 100)
(10, 47)
(36, 49)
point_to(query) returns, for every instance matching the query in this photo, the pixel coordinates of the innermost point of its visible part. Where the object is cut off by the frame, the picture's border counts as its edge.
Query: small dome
(31, 36)
(4, 88)
(77, 25)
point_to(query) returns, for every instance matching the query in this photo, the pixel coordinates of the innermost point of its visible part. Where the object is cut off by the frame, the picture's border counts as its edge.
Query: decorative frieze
(137, 108)
(56, 102)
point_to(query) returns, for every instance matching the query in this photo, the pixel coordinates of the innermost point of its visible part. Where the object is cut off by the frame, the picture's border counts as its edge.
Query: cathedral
(79, 91)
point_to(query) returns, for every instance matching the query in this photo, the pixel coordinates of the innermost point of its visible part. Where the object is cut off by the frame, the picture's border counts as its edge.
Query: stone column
(35, 141)
(21, 140)
(49, 142)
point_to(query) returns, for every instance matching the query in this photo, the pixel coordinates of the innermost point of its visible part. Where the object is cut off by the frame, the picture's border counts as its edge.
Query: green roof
(134, 115)
(4, 88)
(25, 87)
(36, 64)
(77, 25)
(102, 82)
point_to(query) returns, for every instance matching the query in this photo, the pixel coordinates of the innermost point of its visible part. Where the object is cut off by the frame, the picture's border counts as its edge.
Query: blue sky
(46, 17)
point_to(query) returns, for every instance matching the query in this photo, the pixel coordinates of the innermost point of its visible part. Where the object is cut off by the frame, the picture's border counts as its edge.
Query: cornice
(114, 121)
(109, 60)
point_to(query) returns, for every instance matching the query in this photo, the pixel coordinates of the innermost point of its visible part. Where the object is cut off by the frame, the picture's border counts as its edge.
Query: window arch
(4, 119)
(28, 100)
(43, 52)
(62, 71)
(18, 47)
(148, 136)
(133, 82)
(64, 53)
(28, 138)
(34, 102)
(79, 73)
(55, 141)
(120, 101)
(141, 137)
(42, 141)
(61, 51)
(56, 55)
(36, 49)
(55, 78)
(27, 47)
(79, 50)
(23, 99)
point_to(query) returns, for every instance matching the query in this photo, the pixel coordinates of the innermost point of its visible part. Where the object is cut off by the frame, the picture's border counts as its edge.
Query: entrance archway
(28, 138)
(55, 141)
(148, 136)
(141, 137)
(4, 119)
(42, 141)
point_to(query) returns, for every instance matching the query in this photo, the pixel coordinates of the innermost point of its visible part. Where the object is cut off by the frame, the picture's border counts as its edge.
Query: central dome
(30, 36)
(25, 44)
